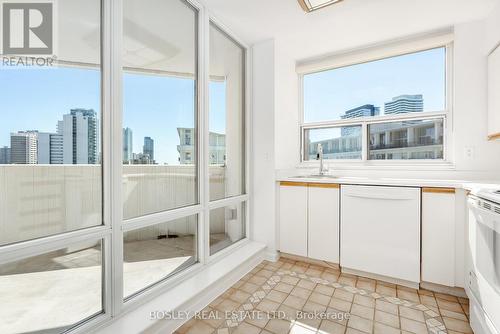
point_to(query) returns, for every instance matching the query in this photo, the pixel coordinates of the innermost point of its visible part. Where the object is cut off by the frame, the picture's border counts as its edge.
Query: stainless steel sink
(315, 176)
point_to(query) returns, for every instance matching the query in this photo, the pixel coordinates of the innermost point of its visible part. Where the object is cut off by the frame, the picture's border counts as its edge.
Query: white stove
(484, 272)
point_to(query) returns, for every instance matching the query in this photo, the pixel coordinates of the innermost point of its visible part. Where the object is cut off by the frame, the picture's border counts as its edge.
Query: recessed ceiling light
(310, 5)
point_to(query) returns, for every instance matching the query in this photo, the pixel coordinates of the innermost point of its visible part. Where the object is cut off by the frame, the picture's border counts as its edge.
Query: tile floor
(297, 297)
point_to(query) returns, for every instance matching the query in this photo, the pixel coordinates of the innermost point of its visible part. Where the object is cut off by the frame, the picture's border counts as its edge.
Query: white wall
(470, 108)
(263, 228)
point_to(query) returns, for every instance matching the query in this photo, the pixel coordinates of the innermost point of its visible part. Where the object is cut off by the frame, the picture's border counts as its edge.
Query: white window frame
(372, 53)
(113, 227)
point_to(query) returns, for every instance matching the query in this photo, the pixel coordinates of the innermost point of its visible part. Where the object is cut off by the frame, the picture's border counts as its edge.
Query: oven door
(484, 239)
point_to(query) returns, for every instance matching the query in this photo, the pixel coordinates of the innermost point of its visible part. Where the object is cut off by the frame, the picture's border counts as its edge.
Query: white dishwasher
(380, 231)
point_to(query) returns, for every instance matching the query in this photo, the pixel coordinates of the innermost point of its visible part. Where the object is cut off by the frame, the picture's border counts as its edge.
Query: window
(159, 106)
(52, 292)
(226, 116)
(409, 91)
(108, 172)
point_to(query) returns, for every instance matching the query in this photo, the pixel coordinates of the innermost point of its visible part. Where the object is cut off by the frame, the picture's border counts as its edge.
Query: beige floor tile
(364, 300)
(353, 331)
(407, 295)
(239, 296)
(246, 328)
(330, 327)
(365, 284)
(306, 284)
(278, 326)
(312, 323)
(412, 314)
(227, 305)
(249, 287)
(382, 305)
(200, 327)
(300, 329)
(289, 312)
(283, 287)
(428, 300)
(294, 302)
(347, 280)
(215, 320)
(363, 311)
(413, 326)
(290, 280)
(337, 316)
(259, 280)
(449, 298)
(265, 273)
(454, 315)
(312, 307)
(340, 304)
(450, 306)
(277, 296)
(384, 329)
(319, 298)
(331, 277)
(386, 290)
(344, 295)
(260, 321)
(324, 289)
(311, 271)
(457, 325)
(360, 324)
(387, 319)
(463, 300)
(267, 305)
(301, 292)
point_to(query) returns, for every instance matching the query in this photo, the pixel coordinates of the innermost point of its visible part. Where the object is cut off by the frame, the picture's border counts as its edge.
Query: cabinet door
(323, 222)
(493, 95)
(293, 218)
(438, 236)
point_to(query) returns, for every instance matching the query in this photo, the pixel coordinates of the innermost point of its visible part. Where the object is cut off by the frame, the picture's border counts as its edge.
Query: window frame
(113, 226)
(366, 55)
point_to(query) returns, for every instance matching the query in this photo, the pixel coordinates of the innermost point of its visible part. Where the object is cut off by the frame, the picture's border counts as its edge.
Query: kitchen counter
(402, 182)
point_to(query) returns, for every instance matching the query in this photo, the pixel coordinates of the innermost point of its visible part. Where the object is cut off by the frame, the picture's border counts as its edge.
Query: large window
(226, 140)
(387, 109)
(114, 158)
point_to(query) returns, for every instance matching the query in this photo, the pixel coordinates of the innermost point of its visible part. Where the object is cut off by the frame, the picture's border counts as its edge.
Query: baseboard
(203, 299)
(409, 284)
(310, 260)
(271, 256)
(454, 291)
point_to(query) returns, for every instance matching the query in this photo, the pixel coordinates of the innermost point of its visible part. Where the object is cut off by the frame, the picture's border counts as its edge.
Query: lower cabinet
(309, 220)
(293, 218)
(323, 222)
(438, 236)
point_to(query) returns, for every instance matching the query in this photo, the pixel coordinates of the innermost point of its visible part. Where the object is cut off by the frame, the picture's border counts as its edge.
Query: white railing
(40, 200)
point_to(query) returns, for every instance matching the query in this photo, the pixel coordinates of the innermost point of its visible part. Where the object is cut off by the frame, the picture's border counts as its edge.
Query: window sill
(192, 293)
(381, 165)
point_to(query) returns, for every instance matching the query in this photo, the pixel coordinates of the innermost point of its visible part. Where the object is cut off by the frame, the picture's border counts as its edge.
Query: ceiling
(346, 24)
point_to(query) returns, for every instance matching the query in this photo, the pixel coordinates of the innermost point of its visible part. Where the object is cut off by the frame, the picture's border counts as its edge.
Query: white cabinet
(438, 236)
(309, 220)
(323, 220)
(494, 95)
(293, 218)
(380, 231)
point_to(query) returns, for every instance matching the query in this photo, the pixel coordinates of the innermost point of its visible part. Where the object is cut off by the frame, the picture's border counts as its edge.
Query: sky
(328, 94)
(154, 106)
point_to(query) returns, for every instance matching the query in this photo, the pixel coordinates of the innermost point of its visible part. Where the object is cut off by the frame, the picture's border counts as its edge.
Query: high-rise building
(361, 111)
(127, 145)
(23, 147)
(50, 148)
(149, 148)
(79, 130)
(5, 155)
(187, 138)
(403, 104)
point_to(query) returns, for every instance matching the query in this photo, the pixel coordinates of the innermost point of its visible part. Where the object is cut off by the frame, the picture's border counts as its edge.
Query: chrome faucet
(322, 169)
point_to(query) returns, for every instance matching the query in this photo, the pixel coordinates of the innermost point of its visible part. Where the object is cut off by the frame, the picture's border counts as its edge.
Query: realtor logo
(27, 28)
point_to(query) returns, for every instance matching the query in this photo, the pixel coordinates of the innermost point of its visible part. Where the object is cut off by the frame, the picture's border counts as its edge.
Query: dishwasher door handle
(382, 196)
